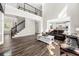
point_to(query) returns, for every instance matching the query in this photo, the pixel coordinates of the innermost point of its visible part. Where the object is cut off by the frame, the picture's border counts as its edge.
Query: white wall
(73, 12)
(1, 28)
(51, 11)
(12, 4)
(20, 13)
(36, 27)
(29, 25)
(28, 30)
(29, 19)
(10, 22)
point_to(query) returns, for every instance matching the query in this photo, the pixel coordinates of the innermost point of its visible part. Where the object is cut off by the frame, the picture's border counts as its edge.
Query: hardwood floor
(26, 46)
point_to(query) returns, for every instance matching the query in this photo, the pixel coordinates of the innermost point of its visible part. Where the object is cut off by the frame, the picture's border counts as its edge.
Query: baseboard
(23, 36)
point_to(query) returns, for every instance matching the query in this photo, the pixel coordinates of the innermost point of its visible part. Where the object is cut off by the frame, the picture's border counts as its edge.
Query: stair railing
(30, 9)
(17, 28)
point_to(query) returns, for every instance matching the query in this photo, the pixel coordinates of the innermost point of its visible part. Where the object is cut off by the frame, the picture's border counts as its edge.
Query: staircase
(17, 28)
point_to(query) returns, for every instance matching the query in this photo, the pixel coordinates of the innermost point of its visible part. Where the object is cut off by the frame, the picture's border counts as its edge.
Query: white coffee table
(47, 39)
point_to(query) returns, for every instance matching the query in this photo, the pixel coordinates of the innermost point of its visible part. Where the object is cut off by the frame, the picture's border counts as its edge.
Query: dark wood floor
(27, 46)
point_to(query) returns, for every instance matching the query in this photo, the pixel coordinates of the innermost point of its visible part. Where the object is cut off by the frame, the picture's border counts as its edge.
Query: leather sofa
(58, 35)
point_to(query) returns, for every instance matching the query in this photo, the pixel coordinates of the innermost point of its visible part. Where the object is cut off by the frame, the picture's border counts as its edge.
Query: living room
(54, 33)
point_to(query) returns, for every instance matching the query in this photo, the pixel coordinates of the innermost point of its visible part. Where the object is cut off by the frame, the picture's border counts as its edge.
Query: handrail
(36, 11)
(16, 28)
(18, 24)
(32, 6)
(27, 10)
